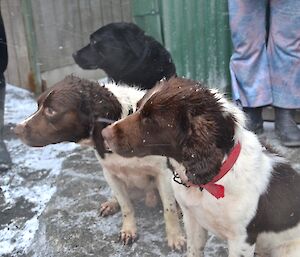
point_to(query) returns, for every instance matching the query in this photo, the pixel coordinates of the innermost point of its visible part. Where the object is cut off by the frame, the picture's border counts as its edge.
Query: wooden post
(32, 45)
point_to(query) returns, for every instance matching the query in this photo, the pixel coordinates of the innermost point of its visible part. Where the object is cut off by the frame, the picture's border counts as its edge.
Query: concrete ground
(49, 201)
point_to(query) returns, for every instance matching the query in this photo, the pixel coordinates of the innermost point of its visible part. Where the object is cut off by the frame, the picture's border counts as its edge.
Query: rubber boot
(286, 128)
(255, 121)
(5, 160)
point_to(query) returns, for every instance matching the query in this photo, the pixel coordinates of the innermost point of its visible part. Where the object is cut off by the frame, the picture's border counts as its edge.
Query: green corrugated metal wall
(146, 14)
(196, 32)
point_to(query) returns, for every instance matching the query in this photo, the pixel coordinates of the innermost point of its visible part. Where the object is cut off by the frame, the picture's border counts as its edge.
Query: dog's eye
(147, 121)
(50, 112)
(93, 41)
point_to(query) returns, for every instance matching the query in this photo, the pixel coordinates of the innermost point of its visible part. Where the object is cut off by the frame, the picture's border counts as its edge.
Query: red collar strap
(216, 190)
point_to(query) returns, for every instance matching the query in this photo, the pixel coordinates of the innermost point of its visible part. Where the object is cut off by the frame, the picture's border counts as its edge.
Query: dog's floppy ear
(201, 158)
(135, 39)
(98, 139)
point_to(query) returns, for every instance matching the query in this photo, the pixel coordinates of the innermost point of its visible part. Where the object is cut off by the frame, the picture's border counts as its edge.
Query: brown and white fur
(197, 127)
(76, 110)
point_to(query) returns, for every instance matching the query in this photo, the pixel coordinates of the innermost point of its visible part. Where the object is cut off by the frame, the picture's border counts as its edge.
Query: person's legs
(249, 65)
(5, 161)
(284, 62)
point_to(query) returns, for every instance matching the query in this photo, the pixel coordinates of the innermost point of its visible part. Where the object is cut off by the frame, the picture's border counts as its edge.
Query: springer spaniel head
(69, 111)
(181, 119)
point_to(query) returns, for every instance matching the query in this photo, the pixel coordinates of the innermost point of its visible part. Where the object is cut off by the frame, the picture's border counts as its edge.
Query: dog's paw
(177, 242)
(86, 142)
(151, 199)
(128, 237)
(109, 208)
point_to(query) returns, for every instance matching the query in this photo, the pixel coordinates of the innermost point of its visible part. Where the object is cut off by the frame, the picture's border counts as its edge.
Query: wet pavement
(49, 201)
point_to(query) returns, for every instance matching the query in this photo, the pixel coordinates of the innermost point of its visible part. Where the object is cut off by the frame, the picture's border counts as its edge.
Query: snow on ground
(17, 236)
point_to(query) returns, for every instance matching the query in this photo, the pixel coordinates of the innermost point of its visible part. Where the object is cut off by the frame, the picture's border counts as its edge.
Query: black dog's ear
(201, 158)
(98, 139)
(135, 39)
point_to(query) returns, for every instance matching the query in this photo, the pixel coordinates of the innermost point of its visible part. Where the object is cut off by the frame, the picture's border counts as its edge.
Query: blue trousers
(265, 65)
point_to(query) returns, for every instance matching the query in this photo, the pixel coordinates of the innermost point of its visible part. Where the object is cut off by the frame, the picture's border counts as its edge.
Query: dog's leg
(109, 207)
(196, 235)
(288, 249)
(128, 232)
(174, 234)
(151, 198)
(240, 248)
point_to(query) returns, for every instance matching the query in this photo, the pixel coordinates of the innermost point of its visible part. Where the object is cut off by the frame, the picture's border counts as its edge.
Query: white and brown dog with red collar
(76, 110)
(235, 187)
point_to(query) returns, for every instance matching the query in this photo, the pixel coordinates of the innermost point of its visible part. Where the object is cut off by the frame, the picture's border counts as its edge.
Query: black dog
(127, 55)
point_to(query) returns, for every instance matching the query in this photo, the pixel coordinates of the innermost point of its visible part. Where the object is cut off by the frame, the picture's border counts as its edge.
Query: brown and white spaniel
(76, 110)
(228, 183)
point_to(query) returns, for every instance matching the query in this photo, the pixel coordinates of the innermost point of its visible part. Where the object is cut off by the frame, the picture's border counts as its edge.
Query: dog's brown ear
(98, 139)
(201, 158)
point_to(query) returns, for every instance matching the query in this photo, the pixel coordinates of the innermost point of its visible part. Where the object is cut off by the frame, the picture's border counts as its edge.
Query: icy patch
(17, 240)
(19, 104)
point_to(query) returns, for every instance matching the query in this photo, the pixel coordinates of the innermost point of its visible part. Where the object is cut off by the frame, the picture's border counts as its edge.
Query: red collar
(216, 190)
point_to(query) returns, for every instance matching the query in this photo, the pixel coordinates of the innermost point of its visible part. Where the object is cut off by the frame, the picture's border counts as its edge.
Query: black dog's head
(109, 45)
(127, 55)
